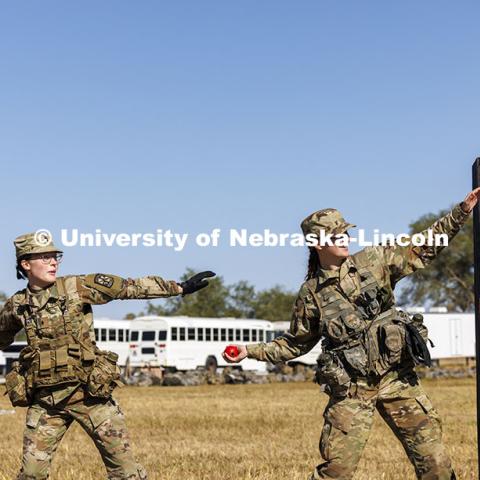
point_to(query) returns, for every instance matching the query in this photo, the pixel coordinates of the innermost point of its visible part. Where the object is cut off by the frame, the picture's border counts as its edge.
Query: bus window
(120, 335)
(260, 336)
(270, 336)
(246, 335)
(223, 334)
(238, 335)
(148, 350)
(254, 335)
(112, 335)
(200, 334)
(191, 334)
(148, 336)
(230, 335)
(162, 335)
(208, 334)
(96, 334)
(134, 336)
(182, 334)
(127, 332)
(103, 334)
(174, 333)
(215, 334)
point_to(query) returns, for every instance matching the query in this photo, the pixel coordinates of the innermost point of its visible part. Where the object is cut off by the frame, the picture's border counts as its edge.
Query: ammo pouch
(57, 361)
(17, 387)
(104, 376)
(392, 339)
(405, 336)
(331, 374)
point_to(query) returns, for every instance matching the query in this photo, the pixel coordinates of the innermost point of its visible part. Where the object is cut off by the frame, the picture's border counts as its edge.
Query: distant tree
(208, 302)
(448, 280)
(241, 300)
(274, 304)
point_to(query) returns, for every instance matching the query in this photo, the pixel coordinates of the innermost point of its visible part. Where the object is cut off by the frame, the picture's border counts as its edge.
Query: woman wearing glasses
(62, 376)
(369, 348)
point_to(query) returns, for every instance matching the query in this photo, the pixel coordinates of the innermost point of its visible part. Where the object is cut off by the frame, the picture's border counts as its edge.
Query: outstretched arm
(303, 335)
(99, 288)
(404, 260)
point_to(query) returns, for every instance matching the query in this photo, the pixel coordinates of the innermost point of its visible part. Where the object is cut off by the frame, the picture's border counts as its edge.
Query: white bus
(187, 343)
(113, 335)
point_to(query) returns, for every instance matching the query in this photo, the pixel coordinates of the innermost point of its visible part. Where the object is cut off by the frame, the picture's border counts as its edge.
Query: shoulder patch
(103, 280)
(105, 283)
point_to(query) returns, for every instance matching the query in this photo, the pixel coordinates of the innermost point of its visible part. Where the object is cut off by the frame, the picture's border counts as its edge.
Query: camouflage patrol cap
(329, 220)
(37, 242)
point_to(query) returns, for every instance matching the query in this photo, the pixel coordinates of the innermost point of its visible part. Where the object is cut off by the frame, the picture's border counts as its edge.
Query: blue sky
(133, 116)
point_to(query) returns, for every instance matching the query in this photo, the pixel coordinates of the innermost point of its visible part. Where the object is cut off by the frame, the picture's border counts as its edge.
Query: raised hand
(471, 200)
(197, 282)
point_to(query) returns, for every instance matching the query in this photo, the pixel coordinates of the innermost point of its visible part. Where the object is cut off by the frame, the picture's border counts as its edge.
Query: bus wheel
(211, 364)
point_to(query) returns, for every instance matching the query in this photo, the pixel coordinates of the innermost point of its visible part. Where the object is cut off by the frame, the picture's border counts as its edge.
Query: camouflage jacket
(43, 313)
(322, 300)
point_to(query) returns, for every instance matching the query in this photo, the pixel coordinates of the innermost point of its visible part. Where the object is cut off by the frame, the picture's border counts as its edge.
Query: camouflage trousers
(403, 404)
(102, 420)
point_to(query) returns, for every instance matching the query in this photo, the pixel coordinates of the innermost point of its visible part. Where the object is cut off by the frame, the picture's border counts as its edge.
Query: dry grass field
(243, 432)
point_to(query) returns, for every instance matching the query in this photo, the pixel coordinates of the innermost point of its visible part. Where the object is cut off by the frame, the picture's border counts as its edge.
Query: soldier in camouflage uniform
(369, 348)
(62, 376)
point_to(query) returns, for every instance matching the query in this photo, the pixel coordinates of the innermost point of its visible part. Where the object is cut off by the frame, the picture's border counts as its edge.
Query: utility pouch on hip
(105, 375)
(17, 387)
(331, 373)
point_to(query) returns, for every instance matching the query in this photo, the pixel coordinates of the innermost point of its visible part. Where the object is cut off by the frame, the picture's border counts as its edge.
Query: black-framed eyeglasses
(47, 258)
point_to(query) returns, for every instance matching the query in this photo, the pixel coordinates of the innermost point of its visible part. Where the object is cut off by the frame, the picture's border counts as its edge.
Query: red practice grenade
(232, 351)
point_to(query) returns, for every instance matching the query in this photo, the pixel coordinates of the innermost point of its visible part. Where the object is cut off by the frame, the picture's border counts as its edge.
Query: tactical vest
(58, 353)
(368, 335)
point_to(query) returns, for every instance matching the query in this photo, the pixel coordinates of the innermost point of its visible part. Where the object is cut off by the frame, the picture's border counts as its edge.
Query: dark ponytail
(313, 263)
(21, 273)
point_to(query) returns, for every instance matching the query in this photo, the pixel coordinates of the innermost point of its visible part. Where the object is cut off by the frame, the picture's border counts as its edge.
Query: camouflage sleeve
(404, 260)
(303, 335)
(99, 288)
(9, 325)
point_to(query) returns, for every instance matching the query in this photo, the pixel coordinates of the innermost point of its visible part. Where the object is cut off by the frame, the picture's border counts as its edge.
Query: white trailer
(453, 334)
(187, 343)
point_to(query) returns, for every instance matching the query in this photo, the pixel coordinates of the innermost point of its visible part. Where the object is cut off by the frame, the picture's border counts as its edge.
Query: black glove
(197, 282)
(417, 347)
